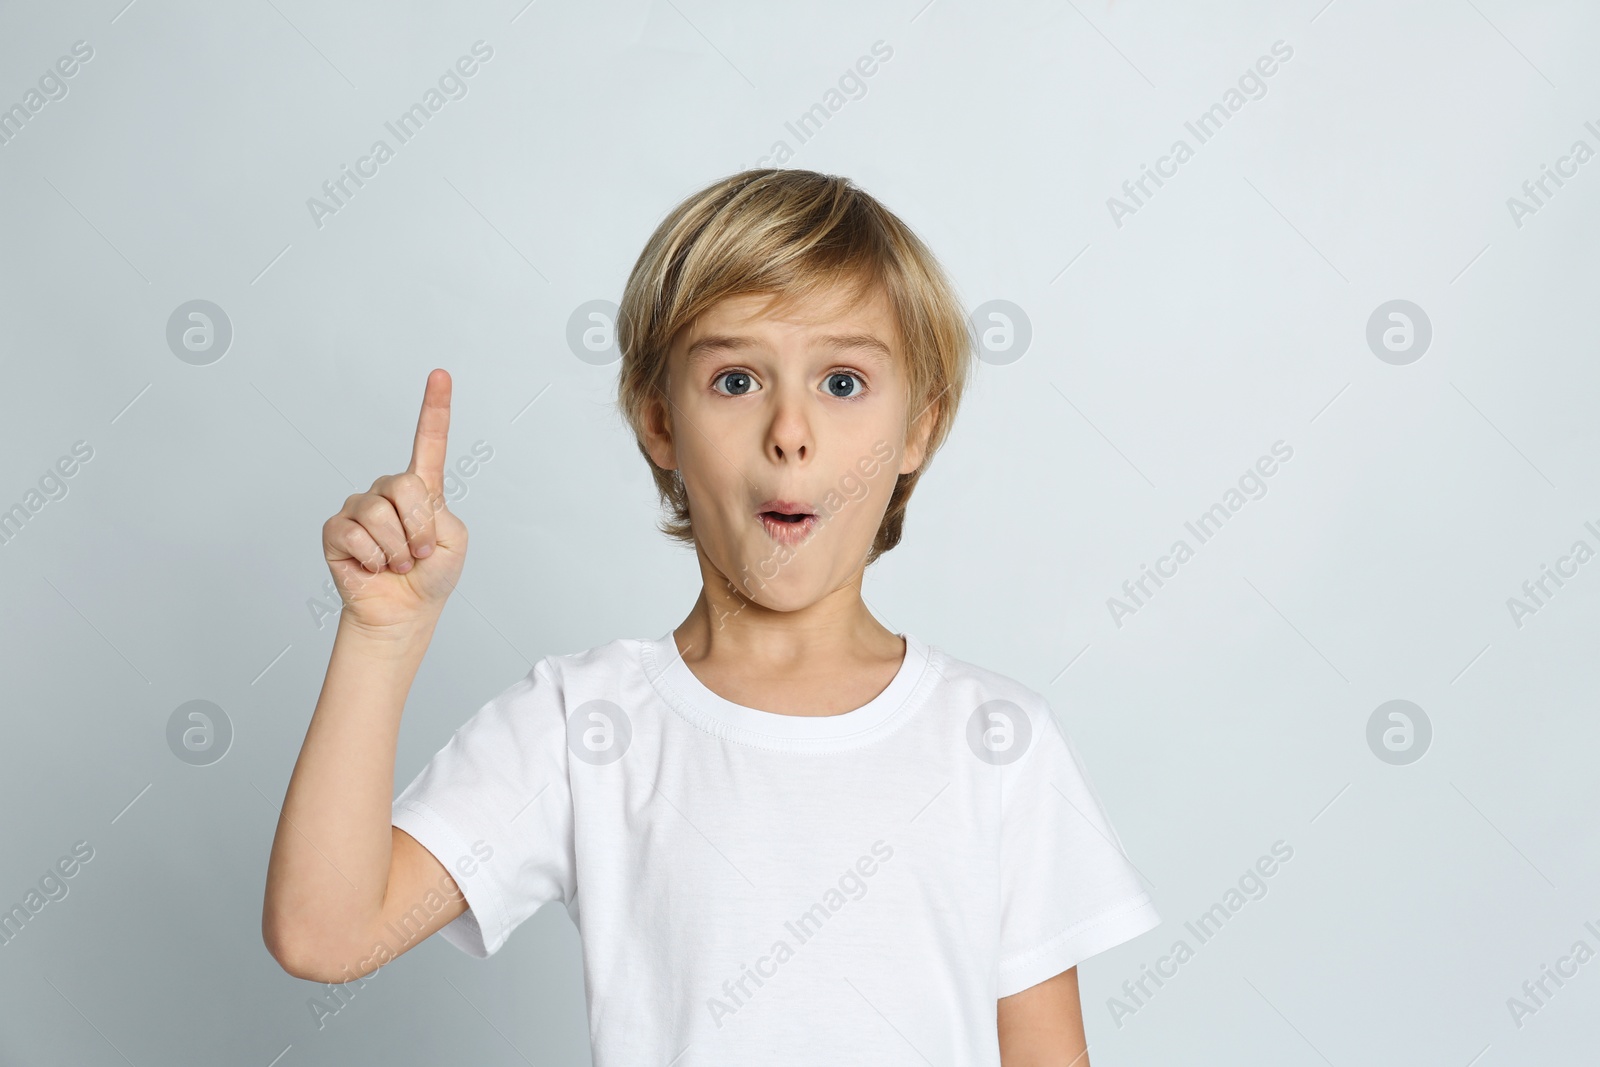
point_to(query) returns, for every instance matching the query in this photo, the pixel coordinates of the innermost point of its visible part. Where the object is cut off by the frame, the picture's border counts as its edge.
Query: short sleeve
(494, 805)
(1068, 889)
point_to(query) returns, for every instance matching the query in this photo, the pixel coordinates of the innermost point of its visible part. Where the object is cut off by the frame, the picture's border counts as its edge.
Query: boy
(786, 833)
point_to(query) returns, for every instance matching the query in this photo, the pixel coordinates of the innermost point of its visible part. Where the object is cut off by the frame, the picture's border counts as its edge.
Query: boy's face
(804, 404)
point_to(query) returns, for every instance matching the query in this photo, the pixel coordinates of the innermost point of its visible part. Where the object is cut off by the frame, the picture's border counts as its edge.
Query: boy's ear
(657, 435)
(917, 438)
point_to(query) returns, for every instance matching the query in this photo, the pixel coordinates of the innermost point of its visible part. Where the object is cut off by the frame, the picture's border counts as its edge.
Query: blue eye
(743, 383)
(736, 375)
(834, 380)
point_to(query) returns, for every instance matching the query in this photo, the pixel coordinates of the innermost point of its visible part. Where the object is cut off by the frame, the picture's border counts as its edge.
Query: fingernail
(403, 566)
(425, 550)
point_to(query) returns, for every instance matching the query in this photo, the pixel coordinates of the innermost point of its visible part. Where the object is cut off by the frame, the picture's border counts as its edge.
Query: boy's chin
(795, 585)
(781, 592)
(788, 599)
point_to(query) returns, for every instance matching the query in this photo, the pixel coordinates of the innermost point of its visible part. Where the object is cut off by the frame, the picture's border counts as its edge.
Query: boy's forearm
(330, 858)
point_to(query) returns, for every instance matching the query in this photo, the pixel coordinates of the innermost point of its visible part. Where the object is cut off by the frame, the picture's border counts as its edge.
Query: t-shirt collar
(690, 697)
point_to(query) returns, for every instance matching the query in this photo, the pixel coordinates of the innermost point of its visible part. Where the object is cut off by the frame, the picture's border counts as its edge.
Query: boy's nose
(790, 433)
(796, 452)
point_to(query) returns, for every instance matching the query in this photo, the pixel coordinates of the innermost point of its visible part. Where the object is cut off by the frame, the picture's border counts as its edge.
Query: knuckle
(421, 517)
(374, 510)
(355, 541)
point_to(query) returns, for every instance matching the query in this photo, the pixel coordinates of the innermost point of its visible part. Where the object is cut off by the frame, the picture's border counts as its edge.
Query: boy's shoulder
(987, 680)
(608, 660)
(982, 693)
(607, 654)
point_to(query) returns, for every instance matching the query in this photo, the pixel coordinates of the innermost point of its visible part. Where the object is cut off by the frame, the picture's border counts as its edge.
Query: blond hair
(789, 233)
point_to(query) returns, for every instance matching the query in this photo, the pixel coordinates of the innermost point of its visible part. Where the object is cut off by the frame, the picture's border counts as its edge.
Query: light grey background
(1168, 354)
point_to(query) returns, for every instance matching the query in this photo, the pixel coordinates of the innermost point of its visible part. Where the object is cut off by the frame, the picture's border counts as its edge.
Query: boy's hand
(396, 551)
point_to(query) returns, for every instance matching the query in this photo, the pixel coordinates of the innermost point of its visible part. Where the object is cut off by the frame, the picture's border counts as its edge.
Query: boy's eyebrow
(708, 347)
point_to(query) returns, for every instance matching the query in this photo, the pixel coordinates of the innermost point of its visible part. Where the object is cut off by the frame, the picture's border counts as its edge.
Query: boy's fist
(396, 551)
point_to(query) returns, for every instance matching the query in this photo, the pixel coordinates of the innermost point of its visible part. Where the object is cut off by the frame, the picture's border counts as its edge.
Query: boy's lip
(785, 507)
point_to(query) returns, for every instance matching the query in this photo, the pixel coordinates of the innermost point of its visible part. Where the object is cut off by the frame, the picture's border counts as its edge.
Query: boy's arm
(1042, 1026)
(340, 876)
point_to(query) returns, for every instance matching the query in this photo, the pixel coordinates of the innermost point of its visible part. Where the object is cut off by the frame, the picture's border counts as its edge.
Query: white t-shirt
(752, 887)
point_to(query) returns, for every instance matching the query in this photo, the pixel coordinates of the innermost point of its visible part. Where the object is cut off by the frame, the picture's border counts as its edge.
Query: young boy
(786, 834)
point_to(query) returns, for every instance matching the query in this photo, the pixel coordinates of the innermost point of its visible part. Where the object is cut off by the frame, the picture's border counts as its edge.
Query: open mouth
(787, 521)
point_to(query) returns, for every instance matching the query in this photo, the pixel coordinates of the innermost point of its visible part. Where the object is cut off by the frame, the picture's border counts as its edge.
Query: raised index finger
(433, 430)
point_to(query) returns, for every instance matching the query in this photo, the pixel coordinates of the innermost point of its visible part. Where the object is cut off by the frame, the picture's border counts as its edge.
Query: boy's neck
(827, 658)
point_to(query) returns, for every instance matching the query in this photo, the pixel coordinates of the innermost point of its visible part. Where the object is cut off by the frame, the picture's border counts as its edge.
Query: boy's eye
(839, 383)
(741, 382)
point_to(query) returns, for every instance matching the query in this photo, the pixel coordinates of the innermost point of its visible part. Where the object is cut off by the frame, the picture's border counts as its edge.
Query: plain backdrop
(1172, 342)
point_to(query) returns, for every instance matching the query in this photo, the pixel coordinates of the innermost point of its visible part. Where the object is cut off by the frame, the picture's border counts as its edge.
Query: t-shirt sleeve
(494, 805)
(1068, 889)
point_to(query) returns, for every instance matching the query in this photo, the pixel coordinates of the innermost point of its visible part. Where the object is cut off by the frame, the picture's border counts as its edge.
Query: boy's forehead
(834, 311)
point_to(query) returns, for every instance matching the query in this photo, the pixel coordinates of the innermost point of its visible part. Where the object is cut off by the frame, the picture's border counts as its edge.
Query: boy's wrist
(391, 641)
